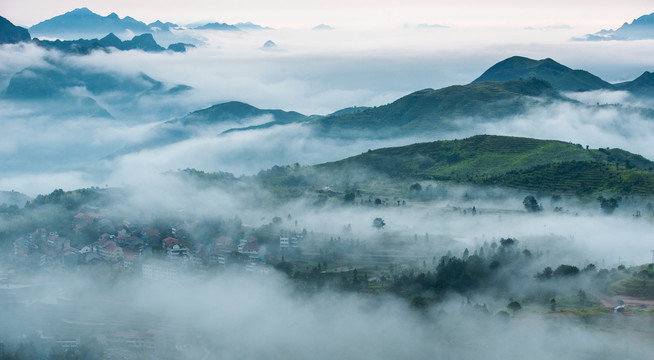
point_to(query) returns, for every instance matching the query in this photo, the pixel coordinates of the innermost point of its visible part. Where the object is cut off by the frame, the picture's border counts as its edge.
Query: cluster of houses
(132, 251)
(289, 241)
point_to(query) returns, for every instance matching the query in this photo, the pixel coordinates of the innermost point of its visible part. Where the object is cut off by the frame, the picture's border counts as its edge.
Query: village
(145, 251)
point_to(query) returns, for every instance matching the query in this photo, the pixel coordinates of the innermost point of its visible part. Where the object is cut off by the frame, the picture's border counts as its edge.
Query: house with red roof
(111, 252)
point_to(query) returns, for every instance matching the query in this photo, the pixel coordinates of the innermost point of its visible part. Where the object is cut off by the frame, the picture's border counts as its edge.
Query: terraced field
(524, 163)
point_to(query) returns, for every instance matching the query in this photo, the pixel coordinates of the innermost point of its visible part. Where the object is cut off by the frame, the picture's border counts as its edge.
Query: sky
(347, 13)
(376, 54)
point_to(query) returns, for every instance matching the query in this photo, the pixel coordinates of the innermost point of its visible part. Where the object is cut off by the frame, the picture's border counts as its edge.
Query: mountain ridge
(640, 28)
(541, 166)
(12, 34)
(437, 110)
(559, 76)
(562, 77)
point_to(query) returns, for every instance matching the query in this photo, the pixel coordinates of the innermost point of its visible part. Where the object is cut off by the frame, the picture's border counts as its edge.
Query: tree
(608, 205)
(349, 198)
(378, 223)
(546, 274)
(419, 303)
(415, 187)
(502, 316)
(644, 274)
(566, 270)
(531, 204)
(514, 306)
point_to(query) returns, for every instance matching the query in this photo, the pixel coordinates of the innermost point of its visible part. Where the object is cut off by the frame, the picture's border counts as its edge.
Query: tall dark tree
(514, 306)
(608, 205)
(531, 204)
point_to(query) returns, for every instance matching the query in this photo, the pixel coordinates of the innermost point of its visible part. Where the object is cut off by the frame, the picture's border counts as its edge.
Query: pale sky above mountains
(348, 13)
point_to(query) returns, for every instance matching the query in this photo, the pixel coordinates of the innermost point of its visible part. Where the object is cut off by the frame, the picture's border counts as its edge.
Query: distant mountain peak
(82, 10)
(143, 42)
(560, 76)
(322, 27)
(639, 29)
(84, 23)
(641, 86)
(217, 26)
(251, 26)
(269, 45)
(12, 34)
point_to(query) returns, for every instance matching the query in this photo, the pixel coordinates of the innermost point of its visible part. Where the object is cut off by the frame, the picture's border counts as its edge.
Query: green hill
(642, 85)
(561, 77)
(235, 111)
(523, 163)
(434, 110)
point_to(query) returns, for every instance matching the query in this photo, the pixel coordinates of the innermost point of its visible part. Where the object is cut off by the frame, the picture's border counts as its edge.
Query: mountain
(83, 21)
(180, 47)
(269, 45)
(559, 76)
(161, 26)
(73, 89)
(217, 26)
(322, 27)
(85, 24)
(248, 26)
(213, 121)
(235, 111)
(8, 198)
(438, 110)
(144, 42)
(349, 110)
(562, 77)
(638, 29)
(546, 166)
(12, 34)
(641, 86)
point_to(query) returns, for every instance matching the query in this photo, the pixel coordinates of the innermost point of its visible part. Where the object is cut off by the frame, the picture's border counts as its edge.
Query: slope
(524, 163)
(437, 110)
(559, 76)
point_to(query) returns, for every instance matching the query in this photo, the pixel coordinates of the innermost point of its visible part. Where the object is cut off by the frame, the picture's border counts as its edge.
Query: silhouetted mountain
(84, 21)
(180, 47)
(217, 26)
(12, 34)
(85, 24)
(641, 86)
(215, 120)
(438, 110)
(638, 29)
(73, 89)
(235, 111)
(269, 45)
(161, 26)
(143, 42)
(248, 26)
(559, 76)
(322, 27)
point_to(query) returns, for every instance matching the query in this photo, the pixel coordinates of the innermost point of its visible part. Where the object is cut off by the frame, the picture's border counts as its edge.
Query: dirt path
(629, 302)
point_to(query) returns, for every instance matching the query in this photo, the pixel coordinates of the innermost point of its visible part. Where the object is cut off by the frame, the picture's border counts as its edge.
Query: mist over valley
(182, 189)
